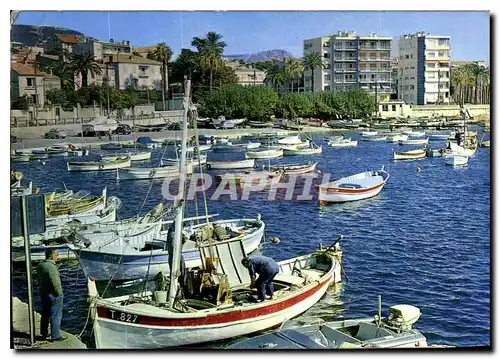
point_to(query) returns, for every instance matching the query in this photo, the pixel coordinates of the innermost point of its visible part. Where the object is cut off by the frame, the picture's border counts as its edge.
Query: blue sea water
(424, 240)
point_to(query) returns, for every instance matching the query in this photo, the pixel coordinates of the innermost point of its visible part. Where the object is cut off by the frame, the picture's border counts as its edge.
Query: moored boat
(270, 152)
(344, 142)
(410, 155)
(112, 146)
(368, 133)
(201, 159)
(134, 156)
(231, 165)
(456, 159)
(20, 158)
(396, 137)
(411, 142)
(437, 136)
(99, 166)
(356, 187)
(301, 151)
(295, 169)
(435, 152)
(374, 138)
(290, 140)
(148, 173)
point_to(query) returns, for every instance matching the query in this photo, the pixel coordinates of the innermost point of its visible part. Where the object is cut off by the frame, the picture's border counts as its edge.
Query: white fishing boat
(343, 142)
(270, 152)
(231, 165)
(148, 173)
(144, 254)
(140, 321)
(20, 158)
(290, 140)
(396, 137)
(414, 134)
(377, 332)
(356, 187)
(18, 190)
(201, 159)
(368, 133)
(302, 151)
(410, 155)
(453, 148)
(202, 148)
(485, 144)
(134, 156)
(296, 169)
(99, 166)
(412, 142)
(374, 138)
(456, 159)
(257, 178)
(438, 136)
(435, 152)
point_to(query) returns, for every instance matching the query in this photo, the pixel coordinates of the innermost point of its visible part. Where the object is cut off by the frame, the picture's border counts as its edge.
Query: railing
(345, 59)
(378, 69)
(374, 58)
(364, 47)
(341, 48)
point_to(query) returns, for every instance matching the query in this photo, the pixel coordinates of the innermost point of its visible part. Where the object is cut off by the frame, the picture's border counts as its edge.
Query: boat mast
(176, 255)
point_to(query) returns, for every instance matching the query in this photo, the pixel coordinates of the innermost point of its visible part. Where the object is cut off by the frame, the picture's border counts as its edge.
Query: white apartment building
(135, 71)
(424, 69)
(351, 61)
(100, 49)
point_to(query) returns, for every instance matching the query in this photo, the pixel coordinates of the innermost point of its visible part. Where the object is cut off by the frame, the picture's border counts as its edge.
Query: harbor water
(424, 240)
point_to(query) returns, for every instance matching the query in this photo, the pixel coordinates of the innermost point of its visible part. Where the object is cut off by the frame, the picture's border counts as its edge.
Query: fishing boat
(410, 155)
(143, 256)
(438, 136)
(376, 332)
(231, 165)
(140, 320)
(20, 158)
(112, 146)
(99, 166)
(368, 133)
(270, 152)
(374, 138)
(453, 148)
(18, 190)
(36, 157)
(485, 144)
(134, 156)
(296, 169)
(435, 152)
(414, 134)
(290, 140)
(257, 178)
(149, 173)
(343, 142)
(304, 151)
(412, 142)
(356, 187)
(396, 137)
(201, 159)
(228, 148)
(147, 142)
(456, 159)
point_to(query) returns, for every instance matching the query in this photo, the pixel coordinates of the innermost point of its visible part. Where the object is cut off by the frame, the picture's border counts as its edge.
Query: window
(442, 54)
(33, 99)
(327, 88)
(393, 107)
(326, 55)
(327, 77)
(30, 82)
(385, 108)
(58, 111)
(413, 67)
(307, 46)
(412, 78)
(412, 87)
(326, 44)
(407, 56)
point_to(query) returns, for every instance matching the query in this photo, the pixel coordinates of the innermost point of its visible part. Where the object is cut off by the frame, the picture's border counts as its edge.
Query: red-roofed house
(59, 43)
(25, 81)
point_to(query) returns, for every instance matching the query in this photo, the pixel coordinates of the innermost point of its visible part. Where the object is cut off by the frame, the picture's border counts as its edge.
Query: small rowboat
(296, 151)
(435, 152)
(397, 137)
(374, 138)
(410, 155)
(414, 134)
(20, 158)
(134, 156)
(356, 187)
(369, 133)
(485, 144)
(148, 173)
(231, 165)
(423, 141)
(438, 136)
(295, 169)
(262, 178)
(290, 140)
(271, 152)
(456, 159)
(229, 148)
(175, 161)
(98, 166)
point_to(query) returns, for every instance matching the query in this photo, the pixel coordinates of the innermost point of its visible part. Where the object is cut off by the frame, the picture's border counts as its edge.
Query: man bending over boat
(267, 269)
(170, 248)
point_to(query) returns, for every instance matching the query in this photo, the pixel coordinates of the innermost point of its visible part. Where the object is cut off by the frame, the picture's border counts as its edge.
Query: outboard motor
(402, 317)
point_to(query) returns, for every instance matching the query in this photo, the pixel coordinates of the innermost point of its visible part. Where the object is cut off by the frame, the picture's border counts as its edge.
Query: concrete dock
(20, 331)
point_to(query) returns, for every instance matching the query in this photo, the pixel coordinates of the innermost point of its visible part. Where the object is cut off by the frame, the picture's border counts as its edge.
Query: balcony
(376, 47)
(377, 69)
(345, 48)
(374, 59)
(346, 59)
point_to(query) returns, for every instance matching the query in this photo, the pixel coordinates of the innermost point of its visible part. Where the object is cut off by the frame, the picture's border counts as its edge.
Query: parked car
(55, 133)
(123, 129)
(14, 139)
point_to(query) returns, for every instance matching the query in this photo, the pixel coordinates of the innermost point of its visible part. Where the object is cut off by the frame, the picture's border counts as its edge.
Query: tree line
(470, 83)
(260, 103)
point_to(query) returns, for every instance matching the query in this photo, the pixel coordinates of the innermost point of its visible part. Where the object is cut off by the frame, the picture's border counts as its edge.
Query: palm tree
(162, 53)
(84, 64)
(478, 72)
(486, 86)
(293, 68)
(275, 76)
(312, 61)
(210, 48)
(186, 62)
(66, 73)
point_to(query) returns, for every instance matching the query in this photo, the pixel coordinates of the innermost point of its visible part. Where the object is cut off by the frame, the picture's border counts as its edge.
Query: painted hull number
(123, 317)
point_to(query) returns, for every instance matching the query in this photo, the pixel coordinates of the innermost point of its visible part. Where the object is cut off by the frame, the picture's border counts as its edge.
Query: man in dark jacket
(182, 268)
(267, 269)
(52, 296)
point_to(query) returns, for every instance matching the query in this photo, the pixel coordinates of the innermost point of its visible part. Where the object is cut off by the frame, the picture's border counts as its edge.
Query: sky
(253, 31)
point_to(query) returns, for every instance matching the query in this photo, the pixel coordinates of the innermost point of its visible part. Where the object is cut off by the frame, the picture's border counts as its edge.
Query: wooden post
(27, 253)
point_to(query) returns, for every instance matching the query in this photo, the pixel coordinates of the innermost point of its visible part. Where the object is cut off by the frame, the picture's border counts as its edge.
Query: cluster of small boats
(48, 152)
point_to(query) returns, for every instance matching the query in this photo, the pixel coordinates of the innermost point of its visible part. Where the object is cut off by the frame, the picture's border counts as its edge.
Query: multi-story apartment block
(424, 69)
(135, 71)
(61, 44)
(100, 49)
(351, 61)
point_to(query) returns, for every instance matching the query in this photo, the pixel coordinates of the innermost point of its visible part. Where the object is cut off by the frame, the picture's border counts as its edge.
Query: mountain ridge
(260, 56)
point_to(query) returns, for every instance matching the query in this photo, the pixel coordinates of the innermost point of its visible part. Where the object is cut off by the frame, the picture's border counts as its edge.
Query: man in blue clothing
(267, 269)
(52, 296)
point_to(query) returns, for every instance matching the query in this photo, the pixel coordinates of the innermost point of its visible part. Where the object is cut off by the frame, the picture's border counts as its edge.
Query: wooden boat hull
(297, 169)
(456, 160)
(302, 151)
(332, 193)
(410, 155)
(343, 144)
(264, 154)
(415, 142)
(396, 138)
(139, 330)
(98, 166)
(438, 137)
(290, 140)
(374, 138)
(142, 173)
(17, 158)
(231, 165)
(137, 156)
